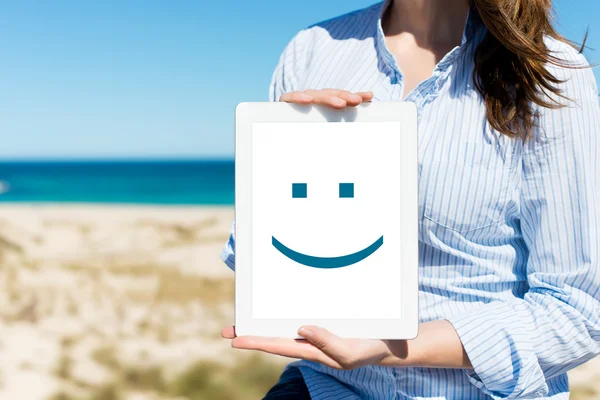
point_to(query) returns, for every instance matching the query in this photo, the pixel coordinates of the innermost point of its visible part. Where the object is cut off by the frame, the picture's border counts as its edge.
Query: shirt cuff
(499, 344)
(228, 256)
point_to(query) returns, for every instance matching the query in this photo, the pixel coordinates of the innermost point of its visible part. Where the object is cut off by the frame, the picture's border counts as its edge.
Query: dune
(118, 302)
(127, 302)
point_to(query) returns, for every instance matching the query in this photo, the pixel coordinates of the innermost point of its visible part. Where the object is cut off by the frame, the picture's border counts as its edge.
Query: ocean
(119, 182)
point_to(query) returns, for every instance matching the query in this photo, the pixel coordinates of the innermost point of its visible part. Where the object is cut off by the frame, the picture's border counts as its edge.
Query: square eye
(346, 190)
(299, 190)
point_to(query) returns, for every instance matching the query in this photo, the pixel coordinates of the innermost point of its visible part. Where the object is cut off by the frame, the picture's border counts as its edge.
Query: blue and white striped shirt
(509, 230)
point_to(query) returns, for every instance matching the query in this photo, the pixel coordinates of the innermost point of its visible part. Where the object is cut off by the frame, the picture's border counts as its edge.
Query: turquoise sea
(128, 182)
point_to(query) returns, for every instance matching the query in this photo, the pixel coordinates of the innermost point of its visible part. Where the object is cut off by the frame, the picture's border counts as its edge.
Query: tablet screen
(326, 220)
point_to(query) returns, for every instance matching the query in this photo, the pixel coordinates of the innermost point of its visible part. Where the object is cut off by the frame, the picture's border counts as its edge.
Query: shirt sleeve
(285, 79)
(290, 67)
(228, 251)
(516, 346)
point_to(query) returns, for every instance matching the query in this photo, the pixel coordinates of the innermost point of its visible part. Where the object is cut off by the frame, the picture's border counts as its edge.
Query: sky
(157, 79)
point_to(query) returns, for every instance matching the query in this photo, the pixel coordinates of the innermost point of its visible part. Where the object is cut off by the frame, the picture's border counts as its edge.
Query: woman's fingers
(335, 98)
(330, 101)
(366, 96)
(353, 99)
(297, 98)
(350, 98)
(324, 340)
(228, 332)
(284, 347)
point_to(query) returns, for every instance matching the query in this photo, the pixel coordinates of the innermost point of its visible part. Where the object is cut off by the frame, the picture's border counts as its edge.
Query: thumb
(322, 339)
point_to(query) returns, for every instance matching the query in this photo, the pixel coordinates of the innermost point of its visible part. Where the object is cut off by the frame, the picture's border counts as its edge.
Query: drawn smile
(327, 262)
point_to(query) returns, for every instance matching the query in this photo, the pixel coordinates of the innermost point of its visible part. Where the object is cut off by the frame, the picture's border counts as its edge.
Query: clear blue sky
(149, 78)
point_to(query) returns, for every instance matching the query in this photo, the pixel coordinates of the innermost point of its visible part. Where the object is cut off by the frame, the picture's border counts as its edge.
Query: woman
(509, 137)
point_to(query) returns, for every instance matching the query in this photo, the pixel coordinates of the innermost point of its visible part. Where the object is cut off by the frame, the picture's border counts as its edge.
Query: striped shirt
(509, 232)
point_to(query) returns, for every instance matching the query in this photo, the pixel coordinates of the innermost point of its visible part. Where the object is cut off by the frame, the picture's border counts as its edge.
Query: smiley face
(346, 191)
(324, 198)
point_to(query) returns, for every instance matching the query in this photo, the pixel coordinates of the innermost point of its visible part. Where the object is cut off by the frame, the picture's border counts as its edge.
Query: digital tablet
(326, 215)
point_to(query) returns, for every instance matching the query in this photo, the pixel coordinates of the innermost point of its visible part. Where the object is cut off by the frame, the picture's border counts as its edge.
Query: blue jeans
(291, 386)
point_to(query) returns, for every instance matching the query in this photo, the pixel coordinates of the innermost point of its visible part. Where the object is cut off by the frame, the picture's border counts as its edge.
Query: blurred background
(116, 191)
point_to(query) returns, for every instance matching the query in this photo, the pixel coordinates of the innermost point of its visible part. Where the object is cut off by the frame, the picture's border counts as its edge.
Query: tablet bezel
(247, 114)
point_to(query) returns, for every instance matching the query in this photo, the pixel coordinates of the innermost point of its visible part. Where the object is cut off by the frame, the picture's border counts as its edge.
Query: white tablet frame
(246, 115)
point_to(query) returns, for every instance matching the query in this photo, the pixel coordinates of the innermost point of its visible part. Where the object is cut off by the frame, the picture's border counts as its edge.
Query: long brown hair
(511, 63)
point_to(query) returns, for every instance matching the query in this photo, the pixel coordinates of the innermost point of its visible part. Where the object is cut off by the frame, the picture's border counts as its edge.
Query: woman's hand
(437, 346)
(334, 98)
(318, 345)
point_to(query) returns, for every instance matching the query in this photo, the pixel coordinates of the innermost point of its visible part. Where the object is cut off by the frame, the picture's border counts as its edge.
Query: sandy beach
(127, 302)
(103, 302)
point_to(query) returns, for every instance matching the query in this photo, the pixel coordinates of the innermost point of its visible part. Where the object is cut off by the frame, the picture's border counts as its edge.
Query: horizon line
(117, 159)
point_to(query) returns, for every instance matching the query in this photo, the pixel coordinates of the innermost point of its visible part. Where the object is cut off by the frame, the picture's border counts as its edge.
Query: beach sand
(119, 302)
(127, 302)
